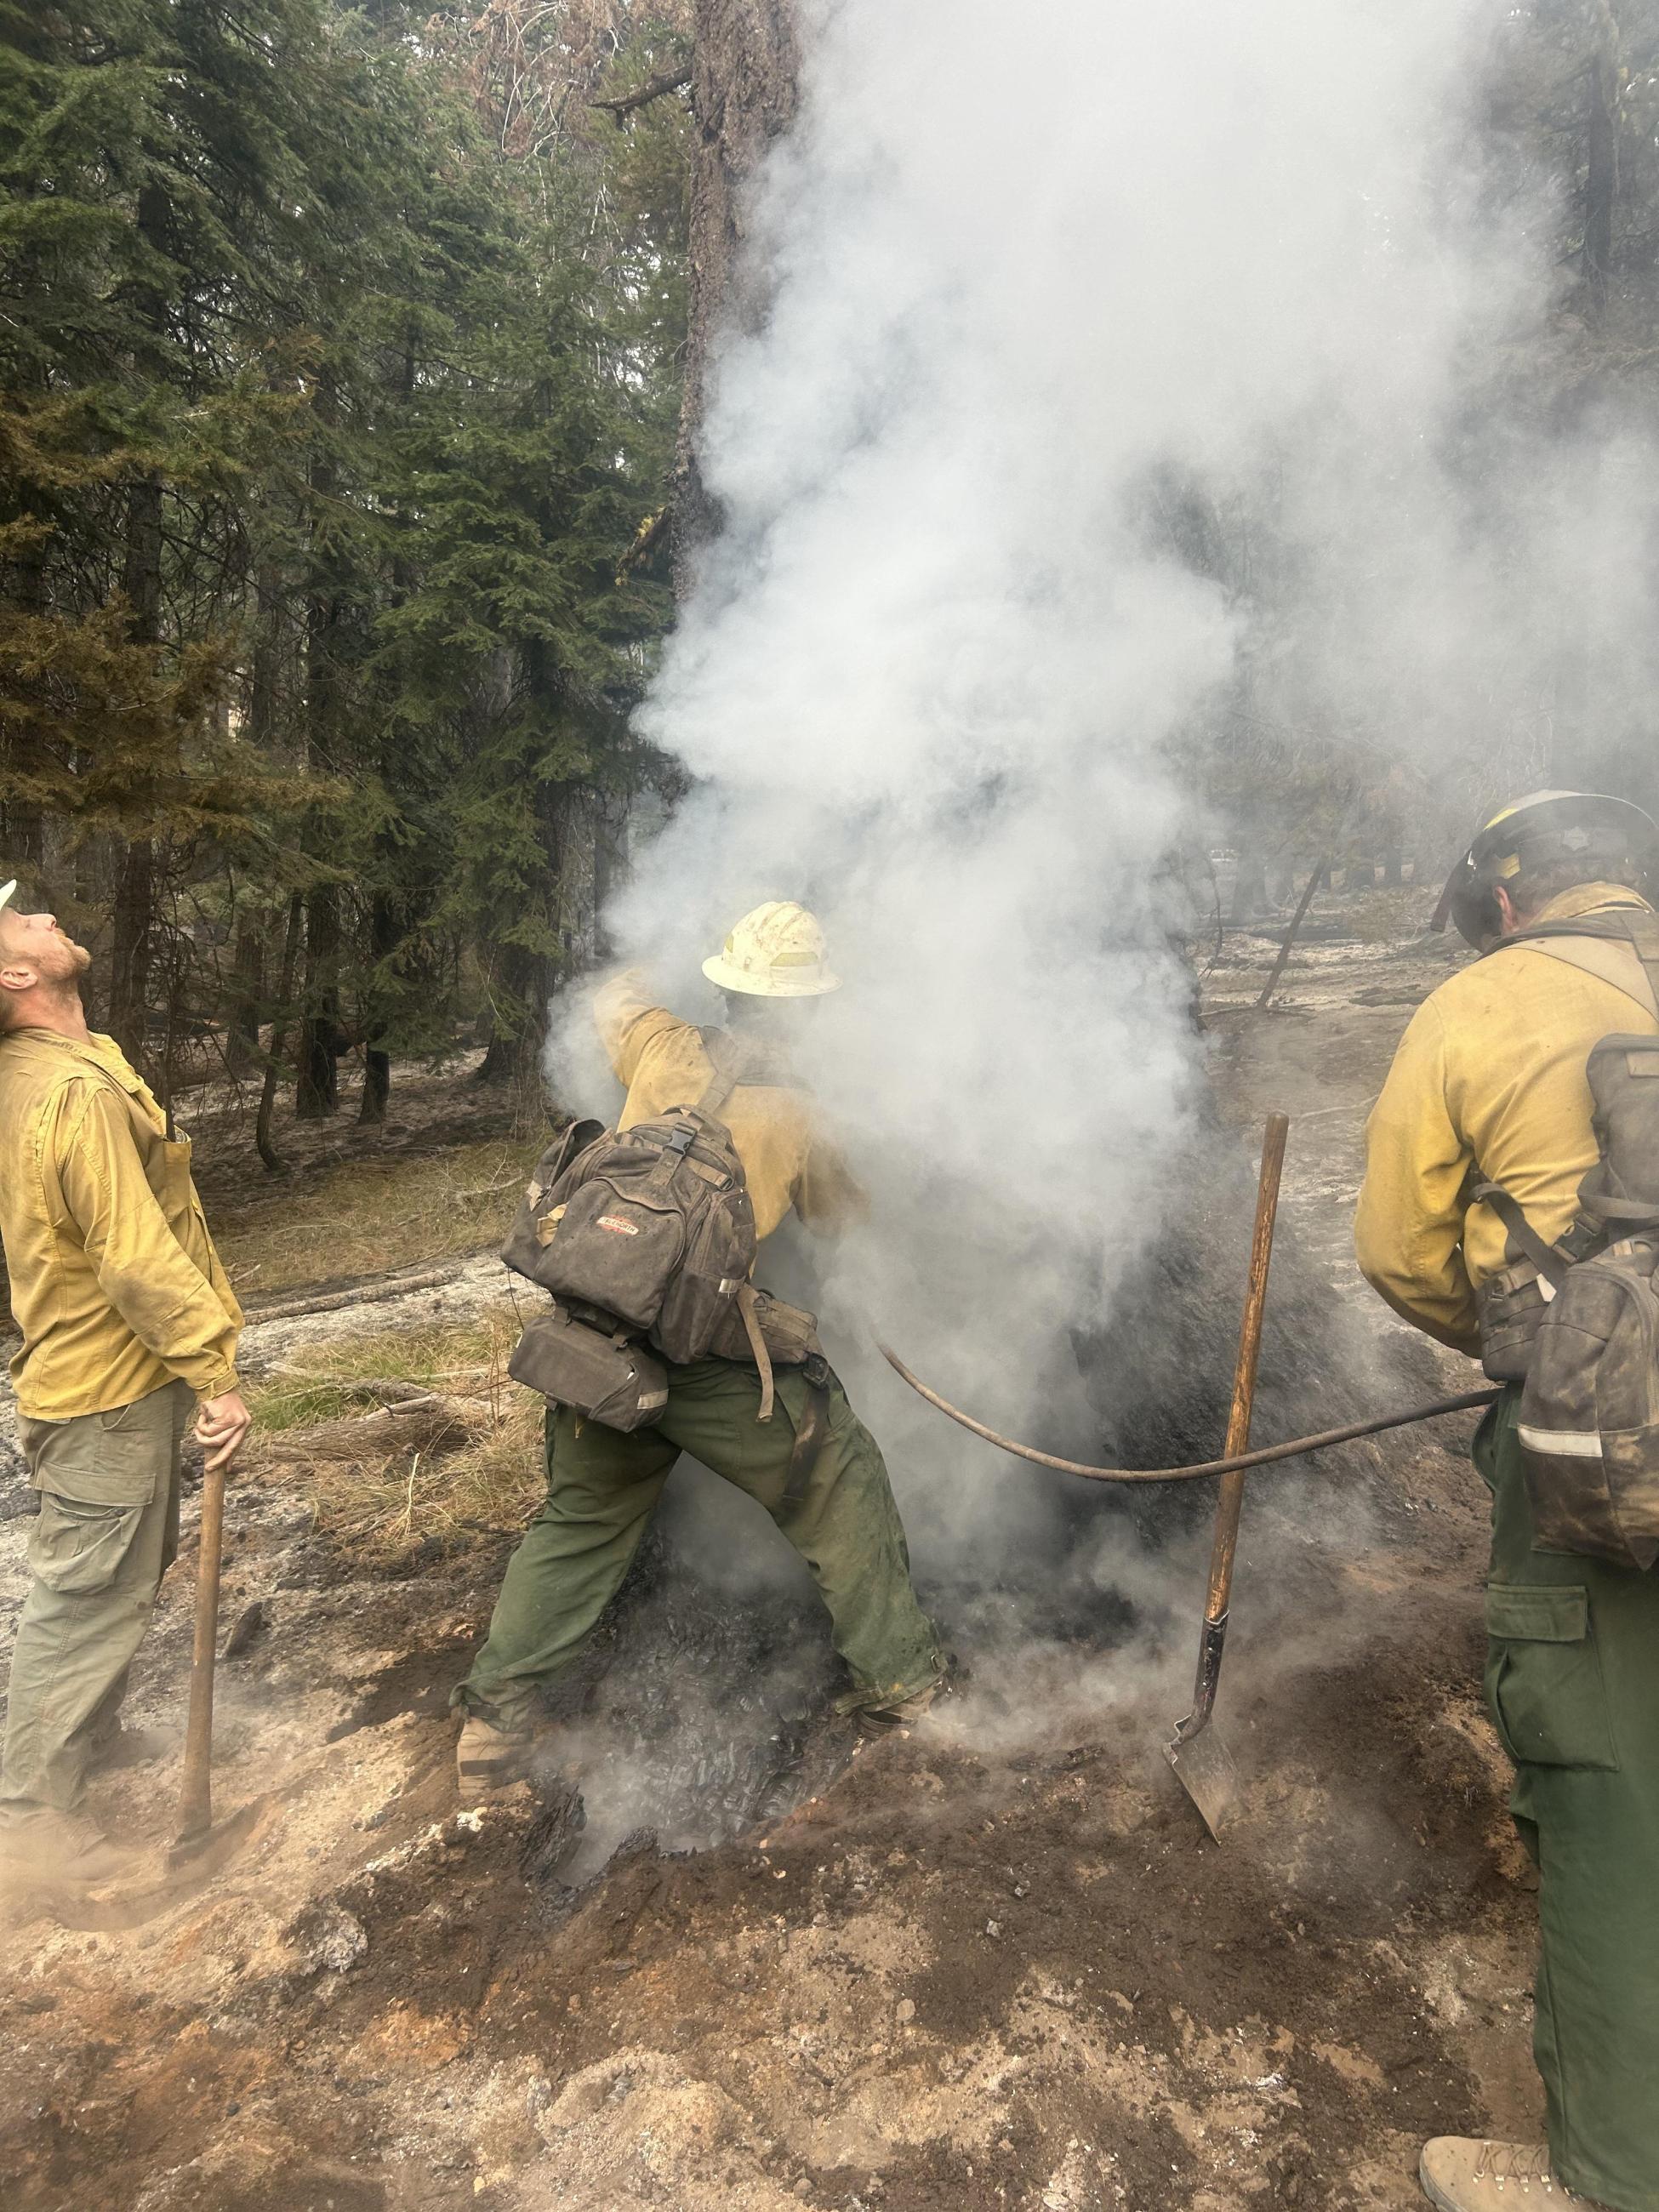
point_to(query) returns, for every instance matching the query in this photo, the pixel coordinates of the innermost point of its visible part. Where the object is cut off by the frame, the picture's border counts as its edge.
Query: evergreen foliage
(331, 403)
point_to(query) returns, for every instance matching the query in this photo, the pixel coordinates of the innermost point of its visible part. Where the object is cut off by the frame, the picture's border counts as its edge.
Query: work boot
(125, 1747)
(62, 1847)
(487, 1755)
(881, 1720)
(1459, 2173)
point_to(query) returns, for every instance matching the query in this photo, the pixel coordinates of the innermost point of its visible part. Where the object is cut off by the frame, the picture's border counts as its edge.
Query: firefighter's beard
(58, 964)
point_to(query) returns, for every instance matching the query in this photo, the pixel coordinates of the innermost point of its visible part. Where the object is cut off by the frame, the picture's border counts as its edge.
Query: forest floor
(994, 1963)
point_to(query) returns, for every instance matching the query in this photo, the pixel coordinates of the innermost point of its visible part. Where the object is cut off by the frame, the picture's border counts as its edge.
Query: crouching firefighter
(1511, 1208)
(656, 1342)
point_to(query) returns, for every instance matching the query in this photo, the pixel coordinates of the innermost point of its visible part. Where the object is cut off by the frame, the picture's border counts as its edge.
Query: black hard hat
(1534, 832)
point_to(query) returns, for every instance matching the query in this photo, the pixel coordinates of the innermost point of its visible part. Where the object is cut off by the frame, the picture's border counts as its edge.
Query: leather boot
(1459, 2173)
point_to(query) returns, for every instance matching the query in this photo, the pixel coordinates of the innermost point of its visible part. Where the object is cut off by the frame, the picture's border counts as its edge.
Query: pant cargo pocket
(1544, 1681)
(76, 1548)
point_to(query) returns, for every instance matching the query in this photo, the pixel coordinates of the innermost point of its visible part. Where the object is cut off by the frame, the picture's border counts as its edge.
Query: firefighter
(1489, 1085)
(604, 1485)
(129, 1324)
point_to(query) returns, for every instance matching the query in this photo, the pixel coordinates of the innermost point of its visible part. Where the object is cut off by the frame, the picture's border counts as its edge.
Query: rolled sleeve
(1409, 1224)
(141, 1267)
(827, 1195)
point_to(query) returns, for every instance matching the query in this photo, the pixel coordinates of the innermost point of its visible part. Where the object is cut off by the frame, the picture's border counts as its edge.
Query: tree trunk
(130, 946)
(279, 1019)
(1249, 886)
(318, 1092)
(746, 55)
(377, 1061)
(519, 1030)
(134, 916)
(248, 989)
(1602, 166)
(141, 580)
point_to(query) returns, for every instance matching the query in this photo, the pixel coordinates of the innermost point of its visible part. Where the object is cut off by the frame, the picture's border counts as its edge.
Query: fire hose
(1466, 1403)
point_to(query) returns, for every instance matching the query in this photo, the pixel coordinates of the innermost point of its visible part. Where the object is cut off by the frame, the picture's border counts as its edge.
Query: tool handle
(1230, 1503)
(196, 1794)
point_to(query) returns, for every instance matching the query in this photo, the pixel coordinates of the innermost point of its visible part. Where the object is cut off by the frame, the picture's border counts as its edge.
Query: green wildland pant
(602, 1487)
(107, 1532)
(1573, 1678)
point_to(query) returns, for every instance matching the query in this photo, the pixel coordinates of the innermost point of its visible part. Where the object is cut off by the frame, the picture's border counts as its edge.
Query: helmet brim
(815, 982)
(6, 890)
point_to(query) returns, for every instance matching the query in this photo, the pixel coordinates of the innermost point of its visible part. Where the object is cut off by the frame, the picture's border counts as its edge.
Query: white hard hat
(775, 953)
(6, 890)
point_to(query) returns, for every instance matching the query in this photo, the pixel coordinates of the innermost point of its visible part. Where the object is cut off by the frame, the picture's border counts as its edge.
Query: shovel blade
(1203, 1768)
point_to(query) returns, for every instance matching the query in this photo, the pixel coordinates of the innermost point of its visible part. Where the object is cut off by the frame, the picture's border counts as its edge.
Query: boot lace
(1523, 2165)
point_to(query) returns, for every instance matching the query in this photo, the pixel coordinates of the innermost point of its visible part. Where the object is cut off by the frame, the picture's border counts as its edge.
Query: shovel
(197, 1839)
(1201, 1761)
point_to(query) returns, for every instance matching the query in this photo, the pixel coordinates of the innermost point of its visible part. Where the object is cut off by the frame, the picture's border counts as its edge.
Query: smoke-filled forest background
(343, 495)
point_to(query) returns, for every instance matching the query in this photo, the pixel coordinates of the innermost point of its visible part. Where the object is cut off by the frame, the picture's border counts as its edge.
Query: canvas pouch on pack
(605, 1378)
(1583, 1318)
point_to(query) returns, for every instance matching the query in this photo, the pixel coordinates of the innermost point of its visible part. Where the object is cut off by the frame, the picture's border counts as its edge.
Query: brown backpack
(651, 1227)
(649, 1233)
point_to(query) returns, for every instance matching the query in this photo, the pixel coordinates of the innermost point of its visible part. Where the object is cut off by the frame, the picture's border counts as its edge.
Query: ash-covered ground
(994, 1963)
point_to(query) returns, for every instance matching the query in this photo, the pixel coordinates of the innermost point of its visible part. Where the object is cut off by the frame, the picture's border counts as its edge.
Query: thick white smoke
(1039, 281)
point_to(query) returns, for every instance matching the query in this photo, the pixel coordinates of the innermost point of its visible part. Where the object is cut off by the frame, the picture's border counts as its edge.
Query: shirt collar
(102, 1051)
(1589, 898)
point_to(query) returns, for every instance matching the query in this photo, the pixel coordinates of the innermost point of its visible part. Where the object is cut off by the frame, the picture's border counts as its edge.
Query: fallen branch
(654, 88)
(1296, 920)
(364, 1294)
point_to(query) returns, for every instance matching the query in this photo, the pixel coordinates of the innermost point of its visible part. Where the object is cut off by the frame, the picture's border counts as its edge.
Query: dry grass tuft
(367, 1217)
(390, 1504)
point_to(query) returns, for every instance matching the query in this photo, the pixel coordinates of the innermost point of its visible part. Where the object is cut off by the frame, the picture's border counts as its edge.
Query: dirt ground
(994, 1963)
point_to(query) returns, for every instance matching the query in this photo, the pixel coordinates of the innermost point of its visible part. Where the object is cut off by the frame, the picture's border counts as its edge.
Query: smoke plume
(1133, 381)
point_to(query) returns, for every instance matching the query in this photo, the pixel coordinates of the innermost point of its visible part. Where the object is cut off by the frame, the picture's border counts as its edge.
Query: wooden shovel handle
(1230, 1503)
(196, 1794)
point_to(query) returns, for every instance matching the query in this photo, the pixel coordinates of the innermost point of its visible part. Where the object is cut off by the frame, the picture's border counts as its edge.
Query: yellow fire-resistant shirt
(115, 1283)
(786, 1160)
(1488, 1085)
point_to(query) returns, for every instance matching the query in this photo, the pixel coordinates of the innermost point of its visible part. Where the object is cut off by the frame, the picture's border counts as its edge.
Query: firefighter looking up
(127, 1325)
(1489, 1085)
(603, 1485)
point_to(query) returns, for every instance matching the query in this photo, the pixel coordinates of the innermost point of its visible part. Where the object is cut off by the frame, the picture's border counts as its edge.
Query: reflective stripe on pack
(1565, 1444)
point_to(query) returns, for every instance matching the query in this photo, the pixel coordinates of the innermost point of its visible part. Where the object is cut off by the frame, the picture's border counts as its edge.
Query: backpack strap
(726, 1061)
(1599, 945)
(1551, 1262)
(747, 1305)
